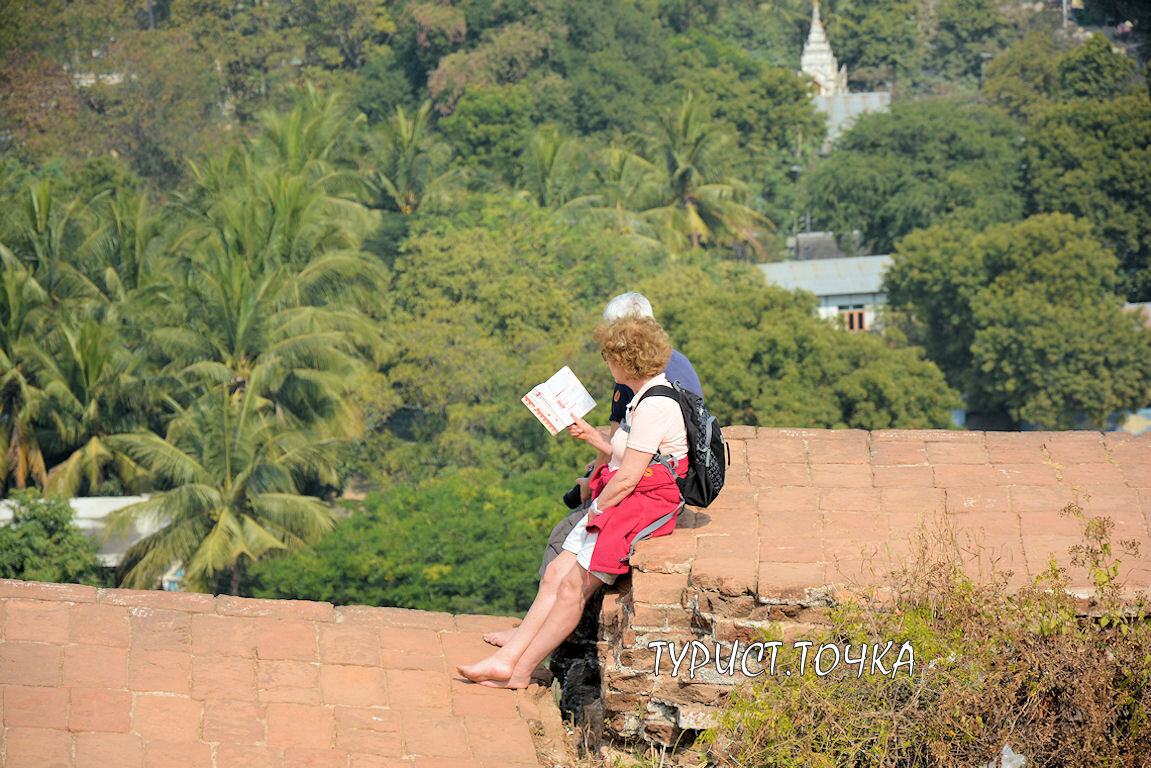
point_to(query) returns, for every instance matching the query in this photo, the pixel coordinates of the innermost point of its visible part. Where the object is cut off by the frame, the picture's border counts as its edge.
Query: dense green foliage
(229, 285)
(923, 163)
(1024, 319)
(41, 543)
(461, 543)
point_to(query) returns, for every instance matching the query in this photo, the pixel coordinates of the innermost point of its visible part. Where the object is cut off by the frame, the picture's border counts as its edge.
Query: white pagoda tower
(819, 62)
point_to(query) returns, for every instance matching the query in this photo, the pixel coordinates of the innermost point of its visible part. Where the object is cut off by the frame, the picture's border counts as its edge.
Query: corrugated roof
(842, 108)
(830, 277)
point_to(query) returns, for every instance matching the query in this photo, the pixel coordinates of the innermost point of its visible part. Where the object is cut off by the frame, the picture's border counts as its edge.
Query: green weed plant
(1064, 681)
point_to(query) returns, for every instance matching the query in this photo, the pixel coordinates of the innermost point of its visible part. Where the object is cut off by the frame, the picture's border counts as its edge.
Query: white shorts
(582, 543)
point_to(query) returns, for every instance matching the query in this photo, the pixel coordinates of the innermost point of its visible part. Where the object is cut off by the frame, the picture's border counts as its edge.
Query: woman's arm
(625, 480)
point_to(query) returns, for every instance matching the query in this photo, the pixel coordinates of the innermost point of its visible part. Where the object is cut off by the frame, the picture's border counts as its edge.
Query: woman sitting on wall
(631, 491)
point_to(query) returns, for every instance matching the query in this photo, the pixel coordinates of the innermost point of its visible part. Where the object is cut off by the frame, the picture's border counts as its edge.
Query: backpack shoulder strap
(661, 390)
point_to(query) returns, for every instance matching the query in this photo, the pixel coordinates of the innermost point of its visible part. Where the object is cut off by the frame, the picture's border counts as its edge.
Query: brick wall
(809, 513)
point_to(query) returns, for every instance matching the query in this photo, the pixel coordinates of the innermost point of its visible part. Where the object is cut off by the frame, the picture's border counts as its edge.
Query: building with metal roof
(850, 286)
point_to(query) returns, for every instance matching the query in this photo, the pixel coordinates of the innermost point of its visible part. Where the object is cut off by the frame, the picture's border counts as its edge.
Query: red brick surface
(811, 514)
(130, 678)
(153, 679)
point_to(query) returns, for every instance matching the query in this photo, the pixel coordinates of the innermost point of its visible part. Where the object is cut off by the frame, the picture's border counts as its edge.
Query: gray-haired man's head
(630, 303)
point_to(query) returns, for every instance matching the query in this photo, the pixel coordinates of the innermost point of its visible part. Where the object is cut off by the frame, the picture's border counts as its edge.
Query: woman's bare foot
(510, 683)
(499, 638)
(490, 669)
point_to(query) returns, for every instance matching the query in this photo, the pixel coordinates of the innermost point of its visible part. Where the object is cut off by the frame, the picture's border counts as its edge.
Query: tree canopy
(1024, 320)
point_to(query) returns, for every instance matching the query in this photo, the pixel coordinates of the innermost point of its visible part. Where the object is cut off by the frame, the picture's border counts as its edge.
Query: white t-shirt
(656, 427)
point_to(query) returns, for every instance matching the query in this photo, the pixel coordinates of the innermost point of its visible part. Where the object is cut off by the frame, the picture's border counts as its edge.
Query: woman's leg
(499, 665)
(565, 614)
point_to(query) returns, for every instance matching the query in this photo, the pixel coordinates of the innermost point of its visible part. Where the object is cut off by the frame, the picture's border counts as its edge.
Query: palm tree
(701, 205)
(49, 236)
(234, 471)
(409, 165)
(91, 392)
(551, 171)
(309, 138)
(268, 279)
(23, 314)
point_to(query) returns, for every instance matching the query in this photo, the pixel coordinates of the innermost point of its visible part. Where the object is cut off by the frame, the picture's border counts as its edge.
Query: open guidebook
(554, 401)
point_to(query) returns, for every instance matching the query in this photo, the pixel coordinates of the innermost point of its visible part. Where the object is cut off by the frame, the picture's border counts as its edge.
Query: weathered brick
(928, 435)
(38, 590)
(220, 677)
(98, 709)
(901, 452)
(789, 582)
(1098, 475)
(24, 663)
(637, 658)
(408, 640)
(186, 602)
(854, 450)
(248, 756)
(169, 754)
(1049, 500)
(767, 450)
(957, 453)
(402, 617)
(298, 610)
(358, 686)
(214, 635)
(849, 499)
(434, 734)
(616, 702)
(1136, 475)
(159, 717)
(478, 701)
(854, 526)
(658, 588)
(726, 545)
(841, 475)
(380, 743)
(234, 722)
(1024, 474)
(123, 750)
(919, 500)
(500, 743)
(726, 575)
(287, 639)
(978, 499)
(964, 475)
(95, 666)
(37, 747)
(1075, 447)
(313, 757)
(644, 615)
(35, 706)
(631, 682)
(665, 554)
(163, 671)
(789, 549)
(299, 725)
(779, 475)
(36, 620)
(156, 629)
(97, 624)
(886, 476)
(292, 681)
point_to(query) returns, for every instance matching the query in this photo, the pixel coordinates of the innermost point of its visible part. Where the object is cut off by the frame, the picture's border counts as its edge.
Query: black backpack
(706, 450)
